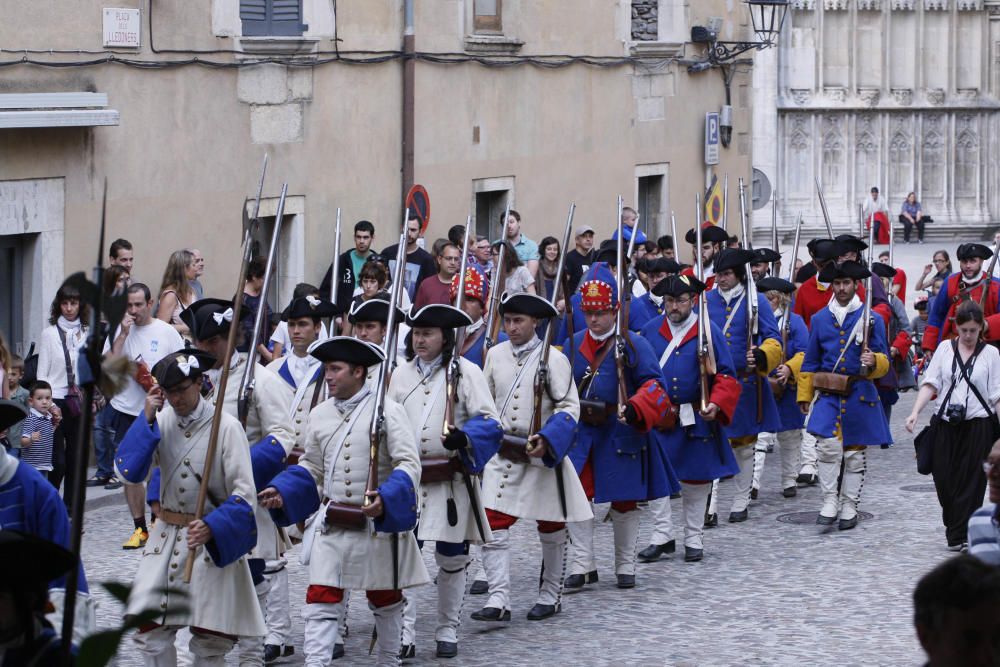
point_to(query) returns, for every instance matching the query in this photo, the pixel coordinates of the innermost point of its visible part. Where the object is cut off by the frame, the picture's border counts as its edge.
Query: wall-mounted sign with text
(122, 27)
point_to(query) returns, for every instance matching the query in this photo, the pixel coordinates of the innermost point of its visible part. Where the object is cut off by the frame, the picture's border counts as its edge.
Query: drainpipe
(409, 65)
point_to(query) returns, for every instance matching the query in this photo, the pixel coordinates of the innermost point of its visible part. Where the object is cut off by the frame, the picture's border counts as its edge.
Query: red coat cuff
(726, 394)
(902, 343)
(993, 333)
(653, 406)
(930, 340)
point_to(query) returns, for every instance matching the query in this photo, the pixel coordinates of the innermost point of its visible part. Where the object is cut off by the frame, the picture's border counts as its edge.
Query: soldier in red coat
(713, 240)
(966, 285)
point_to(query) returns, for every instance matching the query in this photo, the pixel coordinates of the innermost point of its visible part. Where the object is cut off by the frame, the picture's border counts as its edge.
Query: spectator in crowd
(965, 377)
(517, 277)
(5, 359)
(733, 242)
(437, 289)
(629, 221)
(18, 394)
(456, 234)
(911, 215)
(352, 261)
(579, 259)
(875, 205)
(484, 254)
(374, 281)
(144, 340)
(666, 245)
(253, 298)
(58, 353)
(120, 254)
(545, 281)
(919, 322)
(899, 280)
(936, 287)
(527, 250)
(199, 269)
(650, 250)
(281, 342)
(941, 268)
(175, 290)
(956, 611)
(419, 263)
(984, 525)
(38, 429)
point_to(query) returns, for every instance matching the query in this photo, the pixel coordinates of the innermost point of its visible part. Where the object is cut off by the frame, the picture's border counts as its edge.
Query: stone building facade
(899, 94)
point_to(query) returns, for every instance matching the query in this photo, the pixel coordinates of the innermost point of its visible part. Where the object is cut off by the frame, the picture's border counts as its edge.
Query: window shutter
(262, 18)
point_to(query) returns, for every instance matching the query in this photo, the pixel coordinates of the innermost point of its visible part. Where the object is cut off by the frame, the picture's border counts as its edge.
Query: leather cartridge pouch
(833, 383)
(439, 469)
(349, 517)
(596, 413)
(777, 388)
(514, 448)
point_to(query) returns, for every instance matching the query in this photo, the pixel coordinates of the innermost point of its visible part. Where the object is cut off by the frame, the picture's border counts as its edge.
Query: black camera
(955, 412)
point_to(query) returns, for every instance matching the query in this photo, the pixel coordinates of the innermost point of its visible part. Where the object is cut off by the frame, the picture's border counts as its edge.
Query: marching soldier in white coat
(220, 602)
(340, 548)
(457, 429)
(368, 323)
(269, 430)
(530, 477)
(303, 380)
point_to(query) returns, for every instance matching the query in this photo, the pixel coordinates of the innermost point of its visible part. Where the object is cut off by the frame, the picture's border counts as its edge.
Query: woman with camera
(965, 377)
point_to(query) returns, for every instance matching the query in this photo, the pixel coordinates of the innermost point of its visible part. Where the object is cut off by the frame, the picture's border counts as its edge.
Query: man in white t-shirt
(145, 340)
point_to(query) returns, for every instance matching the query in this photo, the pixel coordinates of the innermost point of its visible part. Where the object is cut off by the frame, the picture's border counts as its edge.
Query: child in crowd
(12, 440)
(37, 429)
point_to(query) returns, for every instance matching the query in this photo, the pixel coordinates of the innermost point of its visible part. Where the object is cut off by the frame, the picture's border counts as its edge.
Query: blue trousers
(104, 445)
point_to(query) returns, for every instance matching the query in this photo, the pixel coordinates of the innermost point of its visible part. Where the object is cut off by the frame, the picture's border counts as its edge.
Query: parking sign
(712, 137)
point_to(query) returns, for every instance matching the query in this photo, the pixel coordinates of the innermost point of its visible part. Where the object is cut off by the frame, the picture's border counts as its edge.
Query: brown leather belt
(596, 413)
(179, 519)
(514, 448)
(348, 517)
(440, 469)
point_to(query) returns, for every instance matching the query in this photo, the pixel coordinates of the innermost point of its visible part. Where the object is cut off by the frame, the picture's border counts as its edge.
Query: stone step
(936, 231)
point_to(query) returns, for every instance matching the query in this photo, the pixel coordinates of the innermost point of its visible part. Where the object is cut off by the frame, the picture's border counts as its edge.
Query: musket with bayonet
(498, 278)
(822, 206)
(776, 264)
(725, 203)
(247, 383)
(621, 324)
(988, 281)
(706, 360)
(753, 316)
(867, 318)
(673, 237)
(542, 373)
(335, 270)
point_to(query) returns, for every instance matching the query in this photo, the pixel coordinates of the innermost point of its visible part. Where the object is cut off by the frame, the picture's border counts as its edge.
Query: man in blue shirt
(527, 250)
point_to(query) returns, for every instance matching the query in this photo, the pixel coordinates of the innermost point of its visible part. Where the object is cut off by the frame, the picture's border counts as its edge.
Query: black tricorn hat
(768, 283)
(440, 315)
(309, 306)
(208, 317)
(971, 250)
(186, 364)
(883, 270)
(762, 255)
(531, 305)
(373, 310)
(11, 412)
(850, 242)
(709, 233)
(347, 349)
(31, 561)
(853, 270)
(678, 285)
(662, 265)
(825, 249)
(608, 252)
(733, 258)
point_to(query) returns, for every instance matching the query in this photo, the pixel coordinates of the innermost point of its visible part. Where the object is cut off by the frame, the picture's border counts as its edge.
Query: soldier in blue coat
(616, 458)
(794, 337)
(649, 306)
(697, 446)
(846, 414)
(605, 257)
(757, 411)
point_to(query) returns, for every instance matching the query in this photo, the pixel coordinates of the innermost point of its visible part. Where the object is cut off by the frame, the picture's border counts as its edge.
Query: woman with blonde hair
(176, 293)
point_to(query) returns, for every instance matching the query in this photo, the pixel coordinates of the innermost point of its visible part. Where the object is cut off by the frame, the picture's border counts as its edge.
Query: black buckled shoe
(626, 581)
(407, 651)
(739, 517)
(338, 651)
(692, 555)
(592, 577)
(653, 552)
(805, 479)
(790, 492)
(826, 520)
(271, 653)
(574, 582)
(711, 520)
(492, 614)
(447, 649)
(847, 524)
(479, 587)
(542, 611)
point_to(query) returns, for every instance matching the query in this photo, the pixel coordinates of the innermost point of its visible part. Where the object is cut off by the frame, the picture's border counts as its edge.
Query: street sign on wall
(121, 27)
(712, 138)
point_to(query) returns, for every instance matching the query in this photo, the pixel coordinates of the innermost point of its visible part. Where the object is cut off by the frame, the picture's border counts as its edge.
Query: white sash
(729, 320)
(676, 341)
(300, 392)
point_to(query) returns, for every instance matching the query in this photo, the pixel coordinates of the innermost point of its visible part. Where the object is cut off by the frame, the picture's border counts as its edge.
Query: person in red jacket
(812, 295)
(713, 240)
(966, 285)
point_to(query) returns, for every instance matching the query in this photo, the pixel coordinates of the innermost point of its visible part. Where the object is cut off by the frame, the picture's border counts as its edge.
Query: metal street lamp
(767, 17)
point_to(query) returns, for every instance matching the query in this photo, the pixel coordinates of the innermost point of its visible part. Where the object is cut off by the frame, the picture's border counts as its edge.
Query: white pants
(157, 648)
(663, 521)
(693, 499)
(277, 614)
(789, 444)
(808, 453)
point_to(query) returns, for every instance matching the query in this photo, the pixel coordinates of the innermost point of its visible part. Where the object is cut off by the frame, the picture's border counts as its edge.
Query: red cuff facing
(993, 332)
(902, 343)
(653, 406)
(930, 340)
(726, 394)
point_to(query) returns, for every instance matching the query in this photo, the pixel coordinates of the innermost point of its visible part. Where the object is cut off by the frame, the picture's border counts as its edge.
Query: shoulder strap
(967, 374)
(592, 368)
(70, 376)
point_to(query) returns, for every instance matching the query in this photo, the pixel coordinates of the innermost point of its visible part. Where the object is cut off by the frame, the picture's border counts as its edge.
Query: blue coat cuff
(234, 531)
(298, 493)
(559, 432)
(399, 500)
(267, 458)
(484, 436)
(135, 453)
(153, 487)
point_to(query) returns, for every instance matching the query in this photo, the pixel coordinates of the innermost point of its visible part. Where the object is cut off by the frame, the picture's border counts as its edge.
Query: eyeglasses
(939, 261)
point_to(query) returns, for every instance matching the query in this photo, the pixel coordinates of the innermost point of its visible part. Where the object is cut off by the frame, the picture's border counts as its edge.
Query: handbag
(73, 401)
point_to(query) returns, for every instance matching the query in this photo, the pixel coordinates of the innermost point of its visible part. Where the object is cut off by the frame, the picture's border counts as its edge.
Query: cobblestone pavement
(768, 592)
